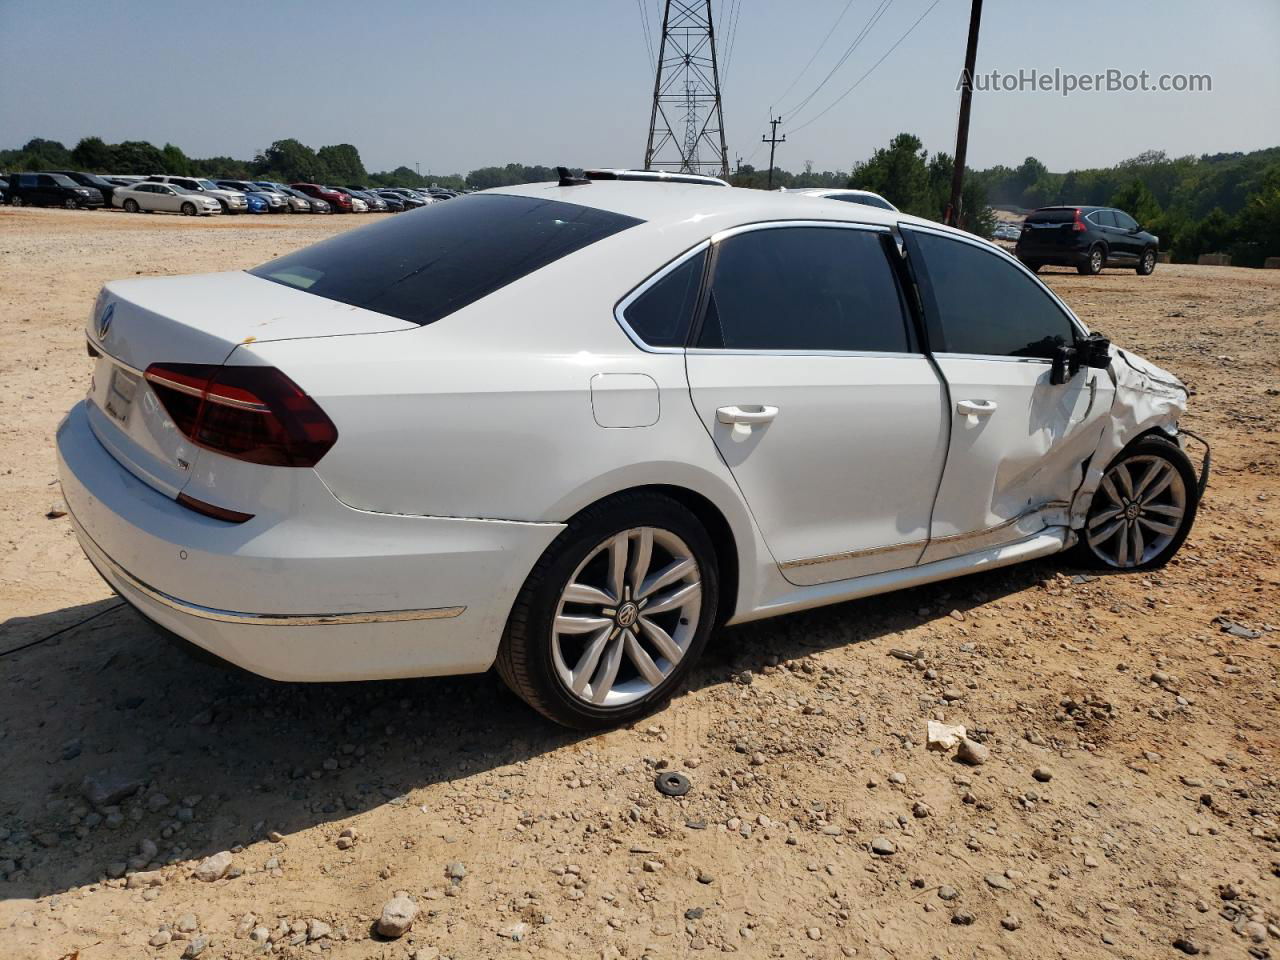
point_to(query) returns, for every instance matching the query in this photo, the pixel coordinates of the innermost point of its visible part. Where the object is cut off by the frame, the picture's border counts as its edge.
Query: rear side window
(804, 288)
(1103, 218)
(661, 315)
(1057, 215)
(425, 265)
(865, 201)
(984, 305)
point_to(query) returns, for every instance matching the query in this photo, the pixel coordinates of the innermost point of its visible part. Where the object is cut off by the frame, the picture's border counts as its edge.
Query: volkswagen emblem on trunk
(104, 322)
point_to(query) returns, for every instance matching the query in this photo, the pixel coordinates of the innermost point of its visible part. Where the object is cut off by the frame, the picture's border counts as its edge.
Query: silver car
(296, 201)
(231, 201)
(166, 197)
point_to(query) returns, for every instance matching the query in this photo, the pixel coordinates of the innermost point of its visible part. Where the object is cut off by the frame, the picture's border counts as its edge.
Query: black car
(4, 191)
(409, 200)
(101, 184)
(51, 190)
(1087, 238)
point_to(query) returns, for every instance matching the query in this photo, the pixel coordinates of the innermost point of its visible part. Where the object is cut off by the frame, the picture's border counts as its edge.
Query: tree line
(1214, 203)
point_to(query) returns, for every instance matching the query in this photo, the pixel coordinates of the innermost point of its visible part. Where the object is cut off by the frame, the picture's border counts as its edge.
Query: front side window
(983, 304)
(427, 266)
(661, 315)
(804, 288)
(1124, 221)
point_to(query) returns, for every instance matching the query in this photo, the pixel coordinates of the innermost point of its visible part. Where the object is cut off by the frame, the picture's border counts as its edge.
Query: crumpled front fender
(1146, 398)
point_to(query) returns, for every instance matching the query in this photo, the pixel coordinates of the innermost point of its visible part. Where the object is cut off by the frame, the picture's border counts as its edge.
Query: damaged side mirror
(1091, 351)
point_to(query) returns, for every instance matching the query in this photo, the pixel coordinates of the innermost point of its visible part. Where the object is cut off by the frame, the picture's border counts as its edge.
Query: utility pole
(952, 217)
(773, 140)
(686, 94)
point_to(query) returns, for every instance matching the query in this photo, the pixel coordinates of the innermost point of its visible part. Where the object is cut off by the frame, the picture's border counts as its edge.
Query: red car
(339, 200)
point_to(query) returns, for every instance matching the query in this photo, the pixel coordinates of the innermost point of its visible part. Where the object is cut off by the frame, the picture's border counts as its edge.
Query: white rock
(214, 867)
(944, 736)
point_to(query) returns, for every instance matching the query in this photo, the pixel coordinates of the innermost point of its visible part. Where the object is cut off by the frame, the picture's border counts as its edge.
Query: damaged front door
(1018, 442)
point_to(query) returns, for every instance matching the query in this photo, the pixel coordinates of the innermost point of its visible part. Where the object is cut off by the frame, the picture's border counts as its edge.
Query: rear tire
(131, 206)
(15, 201)
(573, 585)
(1096, 261)
(1032, 265)
(1130, 527)
(1147, 263)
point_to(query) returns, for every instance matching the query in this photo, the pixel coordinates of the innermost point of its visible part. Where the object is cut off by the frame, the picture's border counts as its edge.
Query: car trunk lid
(190, 320)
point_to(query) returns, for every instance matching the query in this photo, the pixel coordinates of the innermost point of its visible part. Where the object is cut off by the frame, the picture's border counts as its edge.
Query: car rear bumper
(331, 593)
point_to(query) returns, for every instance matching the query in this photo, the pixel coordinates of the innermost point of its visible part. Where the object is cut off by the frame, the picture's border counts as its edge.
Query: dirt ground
(1148, 704)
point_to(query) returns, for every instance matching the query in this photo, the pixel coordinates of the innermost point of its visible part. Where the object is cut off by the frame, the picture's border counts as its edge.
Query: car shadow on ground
(221, 757)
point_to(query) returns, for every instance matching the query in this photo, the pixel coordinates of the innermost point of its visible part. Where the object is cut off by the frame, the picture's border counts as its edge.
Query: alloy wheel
(1095, 260)
(627, 617)
(1148, 262)
(1137, 511)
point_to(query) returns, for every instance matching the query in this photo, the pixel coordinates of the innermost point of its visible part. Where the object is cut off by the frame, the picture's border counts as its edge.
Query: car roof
(1072, 206)
(690, 210)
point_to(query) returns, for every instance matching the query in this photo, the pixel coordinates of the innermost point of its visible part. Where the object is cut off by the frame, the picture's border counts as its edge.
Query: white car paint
(466, 445)
(165, 197)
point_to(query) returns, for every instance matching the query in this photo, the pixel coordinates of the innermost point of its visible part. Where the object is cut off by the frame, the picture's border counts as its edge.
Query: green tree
(898, 173)
(138, 156)
(93, 156)
(343, 163)
(291, 160)
(175, 161)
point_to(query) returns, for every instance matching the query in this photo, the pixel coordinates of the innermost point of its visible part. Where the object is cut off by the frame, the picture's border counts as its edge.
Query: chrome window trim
(869, 354)
(256, 619)
(778, 224)
(993, 358)
(619, 311)
(989, 247)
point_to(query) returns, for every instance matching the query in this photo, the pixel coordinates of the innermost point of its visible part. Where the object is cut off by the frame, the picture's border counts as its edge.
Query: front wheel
(614, 614)
(70, 203)
(1143, 509)
(188, 209)
(1147, 265)
(1096, 261)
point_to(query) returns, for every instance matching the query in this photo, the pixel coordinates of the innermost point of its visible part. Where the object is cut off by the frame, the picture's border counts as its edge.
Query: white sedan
(573, 428)
(150, 197)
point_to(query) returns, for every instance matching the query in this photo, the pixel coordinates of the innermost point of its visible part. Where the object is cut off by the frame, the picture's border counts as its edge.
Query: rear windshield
(1057, 215)
(426, 264)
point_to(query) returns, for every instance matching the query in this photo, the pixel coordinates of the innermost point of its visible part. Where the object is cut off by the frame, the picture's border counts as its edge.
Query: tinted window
(985, 305)
(865, 201)
(1124, 221)
(1103, 218)
(804, 288)
(1053, 215)
(660, 316)
(426, 266)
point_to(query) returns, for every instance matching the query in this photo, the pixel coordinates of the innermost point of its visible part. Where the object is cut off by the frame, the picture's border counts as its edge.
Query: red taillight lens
(1078, 226)
(255, 414)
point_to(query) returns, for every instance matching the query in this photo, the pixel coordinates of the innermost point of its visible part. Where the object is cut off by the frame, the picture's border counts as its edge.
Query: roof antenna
(568, 180)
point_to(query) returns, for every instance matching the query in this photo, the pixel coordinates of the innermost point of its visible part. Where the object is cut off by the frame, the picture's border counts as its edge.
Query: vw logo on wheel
(628, 613)
(104, 322)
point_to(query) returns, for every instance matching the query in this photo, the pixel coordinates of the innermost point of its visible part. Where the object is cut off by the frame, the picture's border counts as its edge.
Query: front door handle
(748, 415)
(976, 408)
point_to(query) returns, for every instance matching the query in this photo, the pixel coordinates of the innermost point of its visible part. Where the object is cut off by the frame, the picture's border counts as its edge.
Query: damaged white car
(572, 428)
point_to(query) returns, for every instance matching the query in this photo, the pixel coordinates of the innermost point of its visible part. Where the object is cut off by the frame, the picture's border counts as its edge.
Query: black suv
(51, 190)
(101, 184)
(1087, 238)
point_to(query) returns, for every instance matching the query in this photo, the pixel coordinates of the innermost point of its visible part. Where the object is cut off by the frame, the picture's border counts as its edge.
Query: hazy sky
(459, 85)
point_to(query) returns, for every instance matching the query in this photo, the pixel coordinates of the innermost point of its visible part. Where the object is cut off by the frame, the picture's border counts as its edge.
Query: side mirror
(1091, 351)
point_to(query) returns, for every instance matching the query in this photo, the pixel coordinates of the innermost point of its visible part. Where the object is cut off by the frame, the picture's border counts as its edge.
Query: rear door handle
(976, 408)
(748, 415)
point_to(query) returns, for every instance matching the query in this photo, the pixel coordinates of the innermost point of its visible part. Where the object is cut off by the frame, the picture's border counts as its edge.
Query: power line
(735, 17)
(783, 95)
(867, 27)
(644, 27)
(58, 633)
(910, 29)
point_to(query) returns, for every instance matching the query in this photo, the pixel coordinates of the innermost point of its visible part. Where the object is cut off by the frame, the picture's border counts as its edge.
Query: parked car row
(199, 196)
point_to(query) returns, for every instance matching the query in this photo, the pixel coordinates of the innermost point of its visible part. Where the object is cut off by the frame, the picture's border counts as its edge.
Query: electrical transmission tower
(686, 95)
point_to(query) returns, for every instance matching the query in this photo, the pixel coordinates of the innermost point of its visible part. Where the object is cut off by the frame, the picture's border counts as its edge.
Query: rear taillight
(1078, 224)
(255, 414)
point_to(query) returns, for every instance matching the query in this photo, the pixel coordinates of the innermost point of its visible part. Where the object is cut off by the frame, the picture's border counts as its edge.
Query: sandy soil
(1151, 703)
